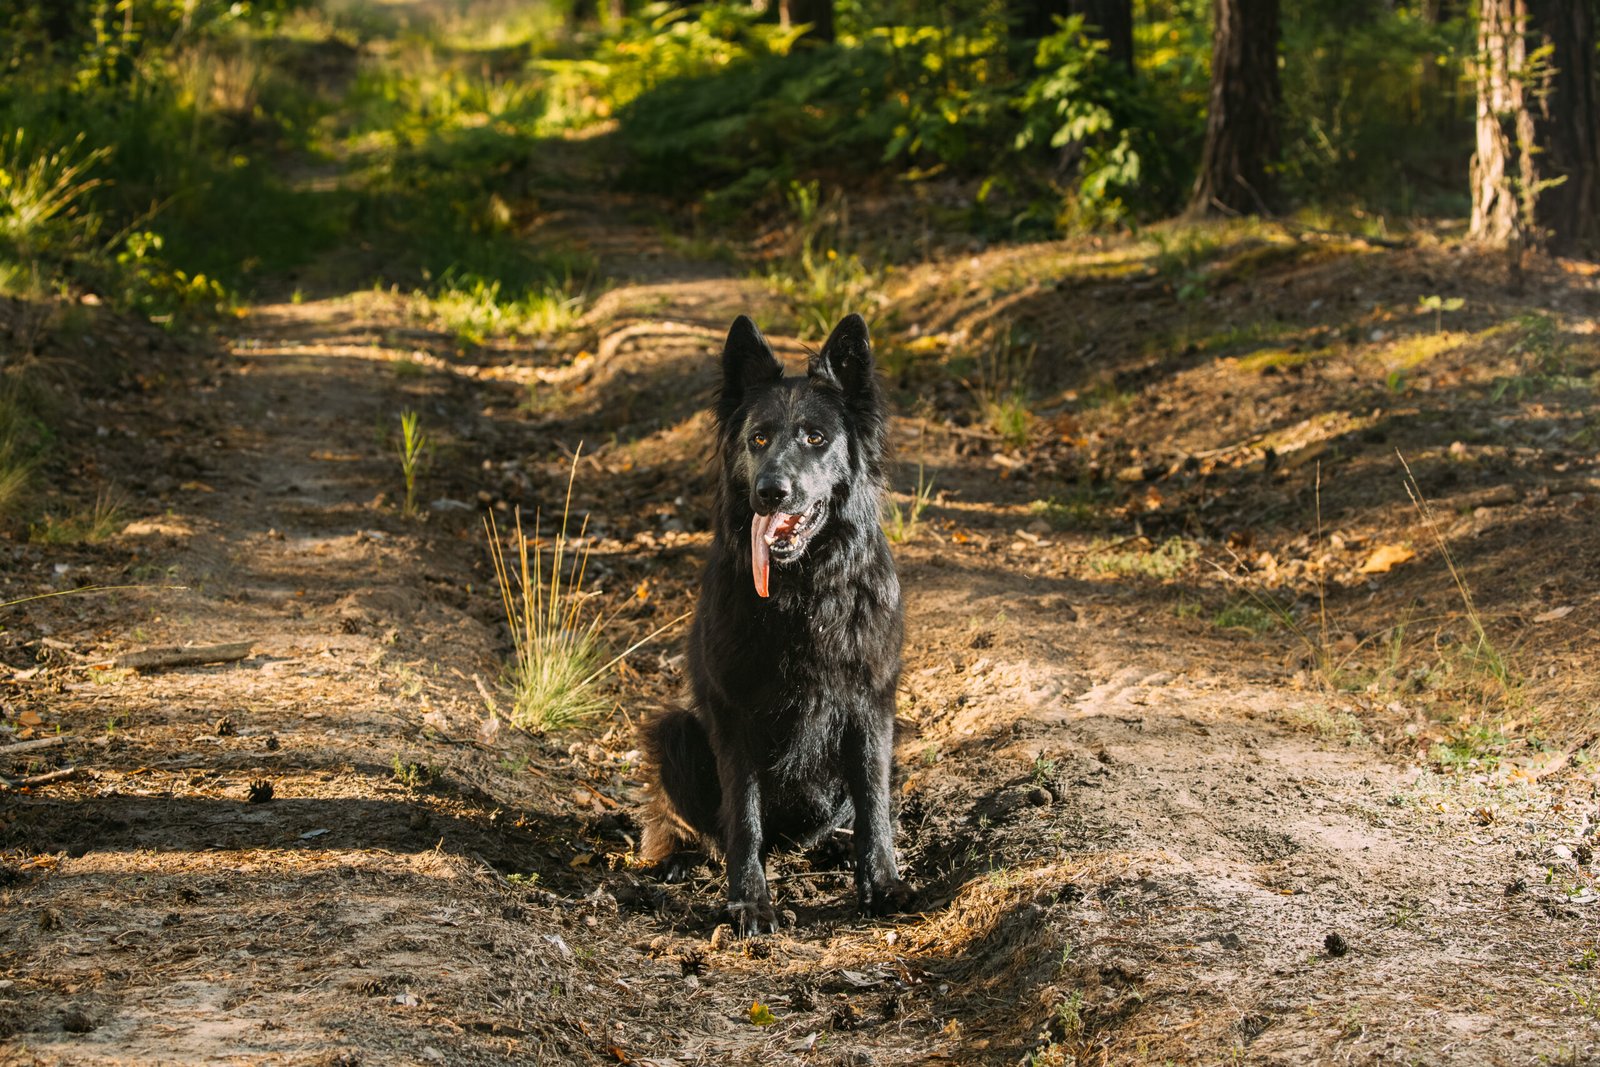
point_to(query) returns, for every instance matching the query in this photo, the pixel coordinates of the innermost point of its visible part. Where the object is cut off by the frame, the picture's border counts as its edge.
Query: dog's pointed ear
(747, 360)
(846, 357)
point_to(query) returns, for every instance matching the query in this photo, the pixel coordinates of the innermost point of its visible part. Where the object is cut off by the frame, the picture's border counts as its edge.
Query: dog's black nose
(772, 491)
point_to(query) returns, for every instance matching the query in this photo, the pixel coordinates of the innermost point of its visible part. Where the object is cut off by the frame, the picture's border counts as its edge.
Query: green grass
(821, 279)
(1471, 747)
(1083, 508)
(1000, 385)
(1247, 616)
(902, 522)
(556, 633)
(1330, 724)
(475, 311)
(44, 194)
(412, 445)
(559, 636)
(1166, 560)
(88, 525)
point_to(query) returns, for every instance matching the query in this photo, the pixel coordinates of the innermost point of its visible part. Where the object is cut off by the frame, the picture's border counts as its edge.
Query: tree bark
(817, 13)
(1242, 139)
(1108, 20)
(1566, 125)
(1502, 166)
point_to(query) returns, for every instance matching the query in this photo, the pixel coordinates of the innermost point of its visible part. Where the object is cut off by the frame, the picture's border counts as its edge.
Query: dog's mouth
(781, 536)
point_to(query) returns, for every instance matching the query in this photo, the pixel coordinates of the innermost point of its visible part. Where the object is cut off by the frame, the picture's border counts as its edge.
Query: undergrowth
(559, 635)
(556, 631)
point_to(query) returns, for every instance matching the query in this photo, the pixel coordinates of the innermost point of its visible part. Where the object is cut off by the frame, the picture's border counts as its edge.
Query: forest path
(1132, 846)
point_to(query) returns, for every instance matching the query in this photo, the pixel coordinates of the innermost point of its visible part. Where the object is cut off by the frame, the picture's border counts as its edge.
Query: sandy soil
(1139, 837)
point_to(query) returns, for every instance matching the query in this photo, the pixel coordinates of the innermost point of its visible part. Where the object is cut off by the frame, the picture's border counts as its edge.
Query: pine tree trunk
(1242, 141)
(1566, 125)
(1503, 169)
(817, 13)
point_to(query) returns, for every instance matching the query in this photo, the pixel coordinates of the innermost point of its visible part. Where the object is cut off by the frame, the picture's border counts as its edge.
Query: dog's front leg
(868, 754)
(749, 903)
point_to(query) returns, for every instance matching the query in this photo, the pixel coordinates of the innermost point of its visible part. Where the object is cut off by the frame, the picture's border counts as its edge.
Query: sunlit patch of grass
(410, 448)
(1408, 353)
(1275, 357)
(1473, 746)
(1102, 396)
(1142, 559)
(822, 280)
(901, 522)
(1256, 331)
(1247, 616)
(1000, 385)
(44, 191)
(88, 525)
(1330, 724)
(558, 635)
(1543, 357)
(1082, 508)
(476, 311)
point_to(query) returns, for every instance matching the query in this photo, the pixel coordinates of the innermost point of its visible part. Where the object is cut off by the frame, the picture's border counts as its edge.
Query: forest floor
(1205, 755)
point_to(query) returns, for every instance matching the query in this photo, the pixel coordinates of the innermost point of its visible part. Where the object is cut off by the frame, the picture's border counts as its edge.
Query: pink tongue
(760, 551)
(761, 527)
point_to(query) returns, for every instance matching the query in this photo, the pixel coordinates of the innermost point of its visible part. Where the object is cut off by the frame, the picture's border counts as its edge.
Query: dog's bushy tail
(686, 794)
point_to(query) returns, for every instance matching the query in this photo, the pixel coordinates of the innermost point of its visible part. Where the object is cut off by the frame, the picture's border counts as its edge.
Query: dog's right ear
(747, 361)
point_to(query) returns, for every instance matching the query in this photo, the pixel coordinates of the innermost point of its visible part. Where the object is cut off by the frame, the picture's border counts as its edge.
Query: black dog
(795, 651)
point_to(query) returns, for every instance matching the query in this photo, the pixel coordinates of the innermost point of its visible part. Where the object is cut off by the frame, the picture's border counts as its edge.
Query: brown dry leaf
(1385, 558)
(30, 718)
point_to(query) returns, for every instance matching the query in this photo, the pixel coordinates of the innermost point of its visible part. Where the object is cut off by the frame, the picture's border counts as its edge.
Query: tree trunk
(817, 13)
(1503, 166)
(1436, 12)
(1108, 20)
(1566, 125)
(1242, 142)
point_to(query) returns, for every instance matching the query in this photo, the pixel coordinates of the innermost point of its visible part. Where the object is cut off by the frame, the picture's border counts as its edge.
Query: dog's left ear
(846, 357)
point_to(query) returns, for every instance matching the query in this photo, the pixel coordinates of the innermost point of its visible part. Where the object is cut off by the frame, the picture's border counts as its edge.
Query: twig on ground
(160, 659)
(47, 778)
(34, 745)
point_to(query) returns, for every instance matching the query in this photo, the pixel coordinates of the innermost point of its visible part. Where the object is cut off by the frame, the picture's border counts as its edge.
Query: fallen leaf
(1385, 558)
(30, 718)
(489, 730)
(761, 1015)
(1553, 614)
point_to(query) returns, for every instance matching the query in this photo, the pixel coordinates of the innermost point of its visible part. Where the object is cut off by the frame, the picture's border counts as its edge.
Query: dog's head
(804, 452)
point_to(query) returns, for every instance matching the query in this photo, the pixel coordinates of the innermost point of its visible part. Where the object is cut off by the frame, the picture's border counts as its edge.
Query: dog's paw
(678, 867)
(752, 918)
(886, 897)
(833, 853)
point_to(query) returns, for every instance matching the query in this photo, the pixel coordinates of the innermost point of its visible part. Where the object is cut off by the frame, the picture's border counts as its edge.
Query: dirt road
(1138, 840)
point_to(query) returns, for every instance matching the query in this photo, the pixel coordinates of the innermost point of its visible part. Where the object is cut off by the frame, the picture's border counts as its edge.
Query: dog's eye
(815, 439)
(759, 440)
